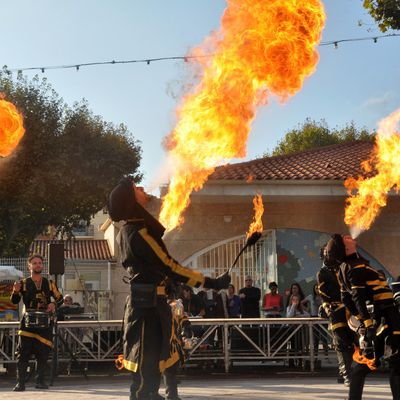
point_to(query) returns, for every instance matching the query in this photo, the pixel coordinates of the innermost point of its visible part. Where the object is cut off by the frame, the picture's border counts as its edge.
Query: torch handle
(237, 258)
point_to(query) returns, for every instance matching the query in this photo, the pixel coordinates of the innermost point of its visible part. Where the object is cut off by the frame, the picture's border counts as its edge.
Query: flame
(256, 225)
(359, 358)
(368, 195)
(262, 47)
(250, 178)
(11, 128)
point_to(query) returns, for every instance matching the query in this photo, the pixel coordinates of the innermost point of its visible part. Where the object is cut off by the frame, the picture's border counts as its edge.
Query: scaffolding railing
(225, 341)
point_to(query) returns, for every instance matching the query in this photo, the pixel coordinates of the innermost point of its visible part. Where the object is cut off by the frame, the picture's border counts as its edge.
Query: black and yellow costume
(32, 340)
(362, 284)
(343, 337)
(150, 344)
(182, 327)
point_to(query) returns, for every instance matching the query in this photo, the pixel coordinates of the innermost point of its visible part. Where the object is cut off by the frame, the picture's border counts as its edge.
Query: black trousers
(171, 382)
(28, 346)
(146, 381)
(344, 340)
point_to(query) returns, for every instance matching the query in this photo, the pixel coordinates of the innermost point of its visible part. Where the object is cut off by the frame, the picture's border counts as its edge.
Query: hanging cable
(147, 61)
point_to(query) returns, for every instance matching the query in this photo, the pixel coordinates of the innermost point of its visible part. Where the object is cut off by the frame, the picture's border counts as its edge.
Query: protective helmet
(122, 203)
(122, 206)
(335, 251)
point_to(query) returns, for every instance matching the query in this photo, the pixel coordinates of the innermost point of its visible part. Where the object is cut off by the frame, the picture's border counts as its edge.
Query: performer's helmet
(122, 203)
(335, 251)
(123, 206)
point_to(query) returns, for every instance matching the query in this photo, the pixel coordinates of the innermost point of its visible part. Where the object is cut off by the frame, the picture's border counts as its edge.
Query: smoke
(355, 231)
(162, 175)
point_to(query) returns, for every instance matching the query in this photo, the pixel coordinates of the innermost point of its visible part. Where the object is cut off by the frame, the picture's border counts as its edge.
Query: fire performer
(380, 332)
(332, 306)
(35, 333)
(148, 340)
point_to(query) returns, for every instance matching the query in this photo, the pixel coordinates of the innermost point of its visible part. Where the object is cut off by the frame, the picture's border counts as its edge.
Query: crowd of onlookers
(246, 303)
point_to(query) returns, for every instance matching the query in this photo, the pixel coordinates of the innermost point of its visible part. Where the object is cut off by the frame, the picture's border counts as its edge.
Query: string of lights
(147, 61)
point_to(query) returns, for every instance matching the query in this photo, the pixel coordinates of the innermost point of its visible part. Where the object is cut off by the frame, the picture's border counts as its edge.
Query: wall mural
(298, 258)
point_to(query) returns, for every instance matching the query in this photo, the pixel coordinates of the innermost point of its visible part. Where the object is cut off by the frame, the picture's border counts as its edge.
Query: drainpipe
(109, 275)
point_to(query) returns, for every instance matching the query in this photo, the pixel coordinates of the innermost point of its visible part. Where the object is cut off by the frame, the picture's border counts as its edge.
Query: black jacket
(361, 283)
(34, 298)
(149, 259)
(250, 305)
(328, 286)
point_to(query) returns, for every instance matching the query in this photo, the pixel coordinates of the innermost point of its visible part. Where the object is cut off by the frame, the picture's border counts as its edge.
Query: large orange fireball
(11, 128)
(368, 196)
(257, 225)
(263, 47)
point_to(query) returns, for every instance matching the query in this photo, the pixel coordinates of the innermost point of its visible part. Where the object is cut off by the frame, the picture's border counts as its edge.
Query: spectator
(68, 307)
(296, 309)
(68, 300)
(273, 302)
(233, 303)
(313, 301)
(210, 299)
(250, 299)
(221, 310)
(296, 290)
(192, 303)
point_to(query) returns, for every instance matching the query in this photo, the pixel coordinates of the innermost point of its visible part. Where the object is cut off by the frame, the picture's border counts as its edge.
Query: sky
(357, 82)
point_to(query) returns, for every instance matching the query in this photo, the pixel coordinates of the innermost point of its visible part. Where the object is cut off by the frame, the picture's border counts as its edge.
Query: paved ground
(275, 387)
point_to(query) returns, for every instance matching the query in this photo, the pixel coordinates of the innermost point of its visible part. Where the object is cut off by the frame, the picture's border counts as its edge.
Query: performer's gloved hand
(367, 337)
(323, 312)
(220, 282)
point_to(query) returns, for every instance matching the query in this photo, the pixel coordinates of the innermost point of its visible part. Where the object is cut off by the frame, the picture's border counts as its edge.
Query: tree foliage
(312, 134)
(385, 12)
(67, 162)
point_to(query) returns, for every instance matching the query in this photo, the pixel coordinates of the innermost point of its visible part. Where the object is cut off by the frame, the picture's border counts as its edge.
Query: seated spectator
(67, 300)
(296, 309)
(233, 301)
(250, 299)
(192, 303)
(273, 302)
(68, 307)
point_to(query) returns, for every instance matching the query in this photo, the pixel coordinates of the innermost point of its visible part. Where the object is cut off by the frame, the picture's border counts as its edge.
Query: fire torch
(255, 229)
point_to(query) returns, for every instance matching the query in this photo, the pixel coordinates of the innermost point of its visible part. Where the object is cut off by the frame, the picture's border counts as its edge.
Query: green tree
(312, 134)
(385, 12)
(64, 167)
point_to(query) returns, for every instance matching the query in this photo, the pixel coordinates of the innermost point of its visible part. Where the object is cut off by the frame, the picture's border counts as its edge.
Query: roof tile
(335, 162)
(81, 249)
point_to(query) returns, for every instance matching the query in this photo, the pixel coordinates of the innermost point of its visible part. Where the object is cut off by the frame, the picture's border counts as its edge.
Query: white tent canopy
(9, 273)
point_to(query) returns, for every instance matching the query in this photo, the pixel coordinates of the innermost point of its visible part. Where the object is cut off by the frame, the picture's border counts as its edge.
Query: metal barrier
(226, 340)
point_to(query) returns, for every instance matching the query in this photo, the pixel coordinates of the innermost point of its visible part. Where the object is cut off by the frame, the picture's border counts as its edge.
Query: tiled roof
(335, 162)
(81, 249)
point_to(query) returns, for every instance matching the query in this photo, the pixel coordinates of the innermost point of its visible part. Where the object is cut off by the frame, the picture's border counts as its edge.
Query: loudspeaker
(56, 258)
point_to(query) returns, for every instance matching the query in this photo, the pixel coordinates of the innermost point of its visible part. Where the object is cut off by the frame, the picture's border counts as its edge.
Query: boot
(346, 359)
(21, 377)
(40, 382)
(395, 386)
